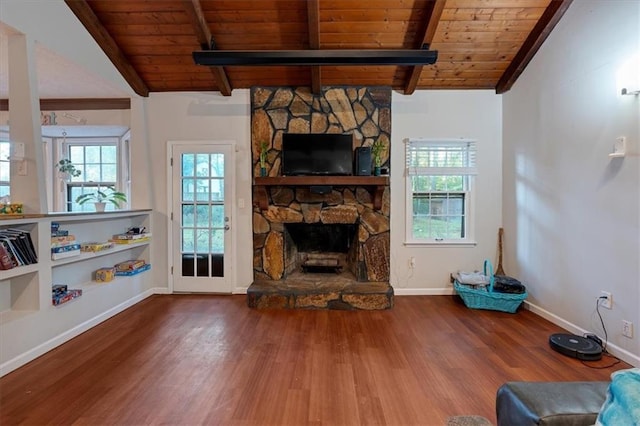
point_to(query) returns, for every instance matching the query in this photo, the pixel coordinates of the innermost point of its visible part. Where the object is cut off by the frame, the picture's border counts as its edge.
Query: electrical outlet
(627, 329)
(22, 168)
(412, 262)
(606, 299)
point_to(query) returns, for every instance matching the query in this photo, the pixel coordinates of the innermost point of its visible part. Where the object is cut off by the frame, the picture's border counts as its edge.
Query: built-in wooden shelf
(377, 183)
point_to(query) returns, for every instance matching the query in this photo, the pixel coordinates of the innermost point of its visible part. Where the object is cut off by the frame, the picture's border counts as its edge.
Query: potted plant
(67, 169)
(264, 149)
(103, 196)
(376, 152)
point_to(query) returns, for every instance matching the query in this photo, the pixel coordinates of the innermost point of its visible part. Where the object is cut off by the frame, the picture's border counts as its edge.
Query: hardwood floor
(192, 359)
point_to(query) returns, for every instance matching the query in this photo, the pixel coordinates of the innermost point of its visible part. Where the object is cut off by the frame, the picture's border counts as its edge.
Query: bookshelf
(18, 271)
(28, 228)
(19, 286)
(30, 324)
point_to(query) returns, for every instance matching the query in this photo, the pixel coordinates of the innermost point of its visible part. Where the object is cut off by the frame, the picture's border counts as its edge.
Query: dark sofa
(550, 403)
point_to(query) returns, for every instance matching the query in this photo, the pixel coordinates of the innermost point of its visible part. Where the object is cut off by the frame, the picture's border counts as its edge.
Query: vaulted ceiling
(481, 44)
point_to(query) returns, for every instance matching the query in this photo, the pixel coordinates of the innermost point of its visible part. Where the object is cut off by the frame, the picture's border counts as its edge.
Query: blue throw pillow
(622, 406)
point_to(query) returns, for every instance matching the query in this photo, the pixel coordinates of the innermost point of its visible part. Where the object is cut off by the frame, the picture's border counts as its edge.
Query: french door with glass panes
(201, 211)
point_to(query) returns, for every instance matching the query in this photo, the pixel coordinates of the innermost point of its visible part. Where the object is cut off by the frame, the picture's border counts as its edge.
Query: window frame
(4, 139)
(63, 201)
(468, 175)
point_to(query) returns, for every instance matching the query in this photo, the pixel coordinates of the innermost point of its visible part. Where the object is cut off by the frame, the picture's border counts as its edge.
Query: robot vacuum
(576, 346)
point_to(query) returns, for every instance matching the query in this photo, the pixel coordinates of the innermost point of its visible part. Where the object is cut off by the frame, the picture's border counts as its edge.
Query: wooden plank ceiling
(481, 44)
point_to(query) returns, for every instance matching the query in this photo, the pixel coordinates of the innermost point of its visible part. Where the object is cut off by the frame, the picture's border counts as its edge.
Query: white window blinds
(440, 157)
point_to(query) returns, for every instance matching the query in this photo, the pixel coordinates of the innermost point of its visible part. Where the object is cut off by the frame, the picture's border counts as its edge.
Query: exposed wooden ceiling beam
(80, 104)
(313, 16)
(538, 35)
(88, 18)
(427, 37)
(199, 23)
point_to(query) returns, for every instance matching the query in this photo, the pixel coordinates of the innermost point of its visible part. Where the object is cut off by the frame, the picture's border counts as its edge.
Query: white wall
(446, 114)
(572, 214)
(60, 31)
(195, 117)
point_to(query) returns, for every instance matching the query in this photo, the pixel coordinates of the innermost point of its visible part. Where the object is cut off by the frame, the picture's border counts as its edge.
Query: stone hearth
(362, 279)
(320, 291)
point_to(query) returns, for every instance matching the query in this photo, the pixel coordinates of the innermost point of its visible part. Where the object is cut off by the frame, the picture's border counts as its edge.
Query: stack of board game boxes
(132, 267)
(126, 268)
(61, 294)
(95, 246)
(63, 244)
(131, 238)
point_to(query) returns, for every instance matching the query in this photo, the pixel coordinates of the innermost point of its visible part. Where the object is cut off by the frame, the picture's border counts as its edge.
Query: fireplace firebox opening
(320, 248)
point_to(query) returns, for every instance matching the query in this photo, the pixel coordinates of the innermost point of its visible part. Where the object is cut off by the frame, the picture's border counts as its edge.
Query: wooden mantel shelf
(378, 183)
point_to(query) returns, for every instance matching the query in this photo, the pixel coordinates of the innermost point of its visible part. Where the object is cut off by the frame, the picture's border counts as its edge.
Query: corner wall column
(27, 175)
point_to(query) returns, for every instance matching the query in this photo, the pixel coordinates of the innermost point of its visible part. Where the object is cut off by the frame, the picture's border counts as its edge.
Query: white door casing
(201, 234)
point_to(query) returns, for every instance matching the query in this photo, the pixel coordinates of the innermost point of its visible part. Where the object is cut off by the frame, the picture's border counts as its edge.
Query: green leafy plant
(264, 149)
(66, 166)
(376, 151)
(107, 195)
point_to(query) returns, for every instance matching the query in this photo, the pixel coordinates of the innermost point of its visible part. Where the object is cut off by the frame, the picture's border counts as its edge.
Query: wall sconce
(619, 147)
(629, 76)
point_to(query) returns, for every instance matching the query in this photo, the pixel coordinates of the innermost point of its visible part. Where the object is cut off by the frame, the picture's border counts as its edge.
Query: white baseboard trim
(54, 342)
(423, 291)
(240, 290)
(161, 290)
(614, 350)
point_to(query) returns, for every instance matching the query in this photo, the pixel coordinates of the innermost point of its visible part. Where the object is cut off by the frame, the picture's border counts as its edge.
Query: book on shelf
(18, 246)
(6, 261)
(15, 258)
(26, 242)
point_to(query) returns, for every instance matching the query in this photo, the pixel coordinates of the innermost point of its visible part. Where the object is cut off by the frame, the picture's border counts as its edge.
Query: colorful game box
(104, 275)
(130, 265)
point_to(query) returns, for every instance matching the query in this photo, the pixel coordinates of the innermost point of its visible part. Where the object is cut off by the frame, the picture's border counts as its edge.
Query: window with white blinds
(439, 176)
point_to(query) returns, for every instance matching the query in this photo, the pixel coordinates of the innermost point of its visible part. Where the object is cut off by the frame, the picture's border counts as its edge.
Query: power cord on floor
(604, 345)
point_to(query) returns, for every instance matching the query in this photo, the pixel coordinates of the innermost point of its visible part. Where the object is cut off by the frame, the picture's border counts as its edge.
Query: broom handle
(499, 269)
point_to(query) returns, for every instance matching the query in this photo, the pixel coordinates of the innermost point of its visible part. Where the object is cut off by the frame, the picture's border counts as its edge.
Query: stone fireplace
(326, 248)
(301, 210)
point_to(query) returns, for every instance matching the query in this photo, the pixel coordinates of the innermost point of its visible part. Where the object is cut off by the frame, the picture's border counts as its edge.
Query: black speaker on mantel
(363, 161)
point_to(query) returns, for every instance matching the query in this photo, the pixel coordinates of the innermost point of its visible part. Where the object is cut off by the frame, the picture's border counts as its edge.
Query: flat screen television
(317, 154)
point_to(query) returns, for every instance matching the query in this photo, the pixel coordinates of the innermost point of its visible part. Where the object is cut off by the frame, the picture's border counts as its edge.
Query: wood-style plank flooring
(210, 360)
